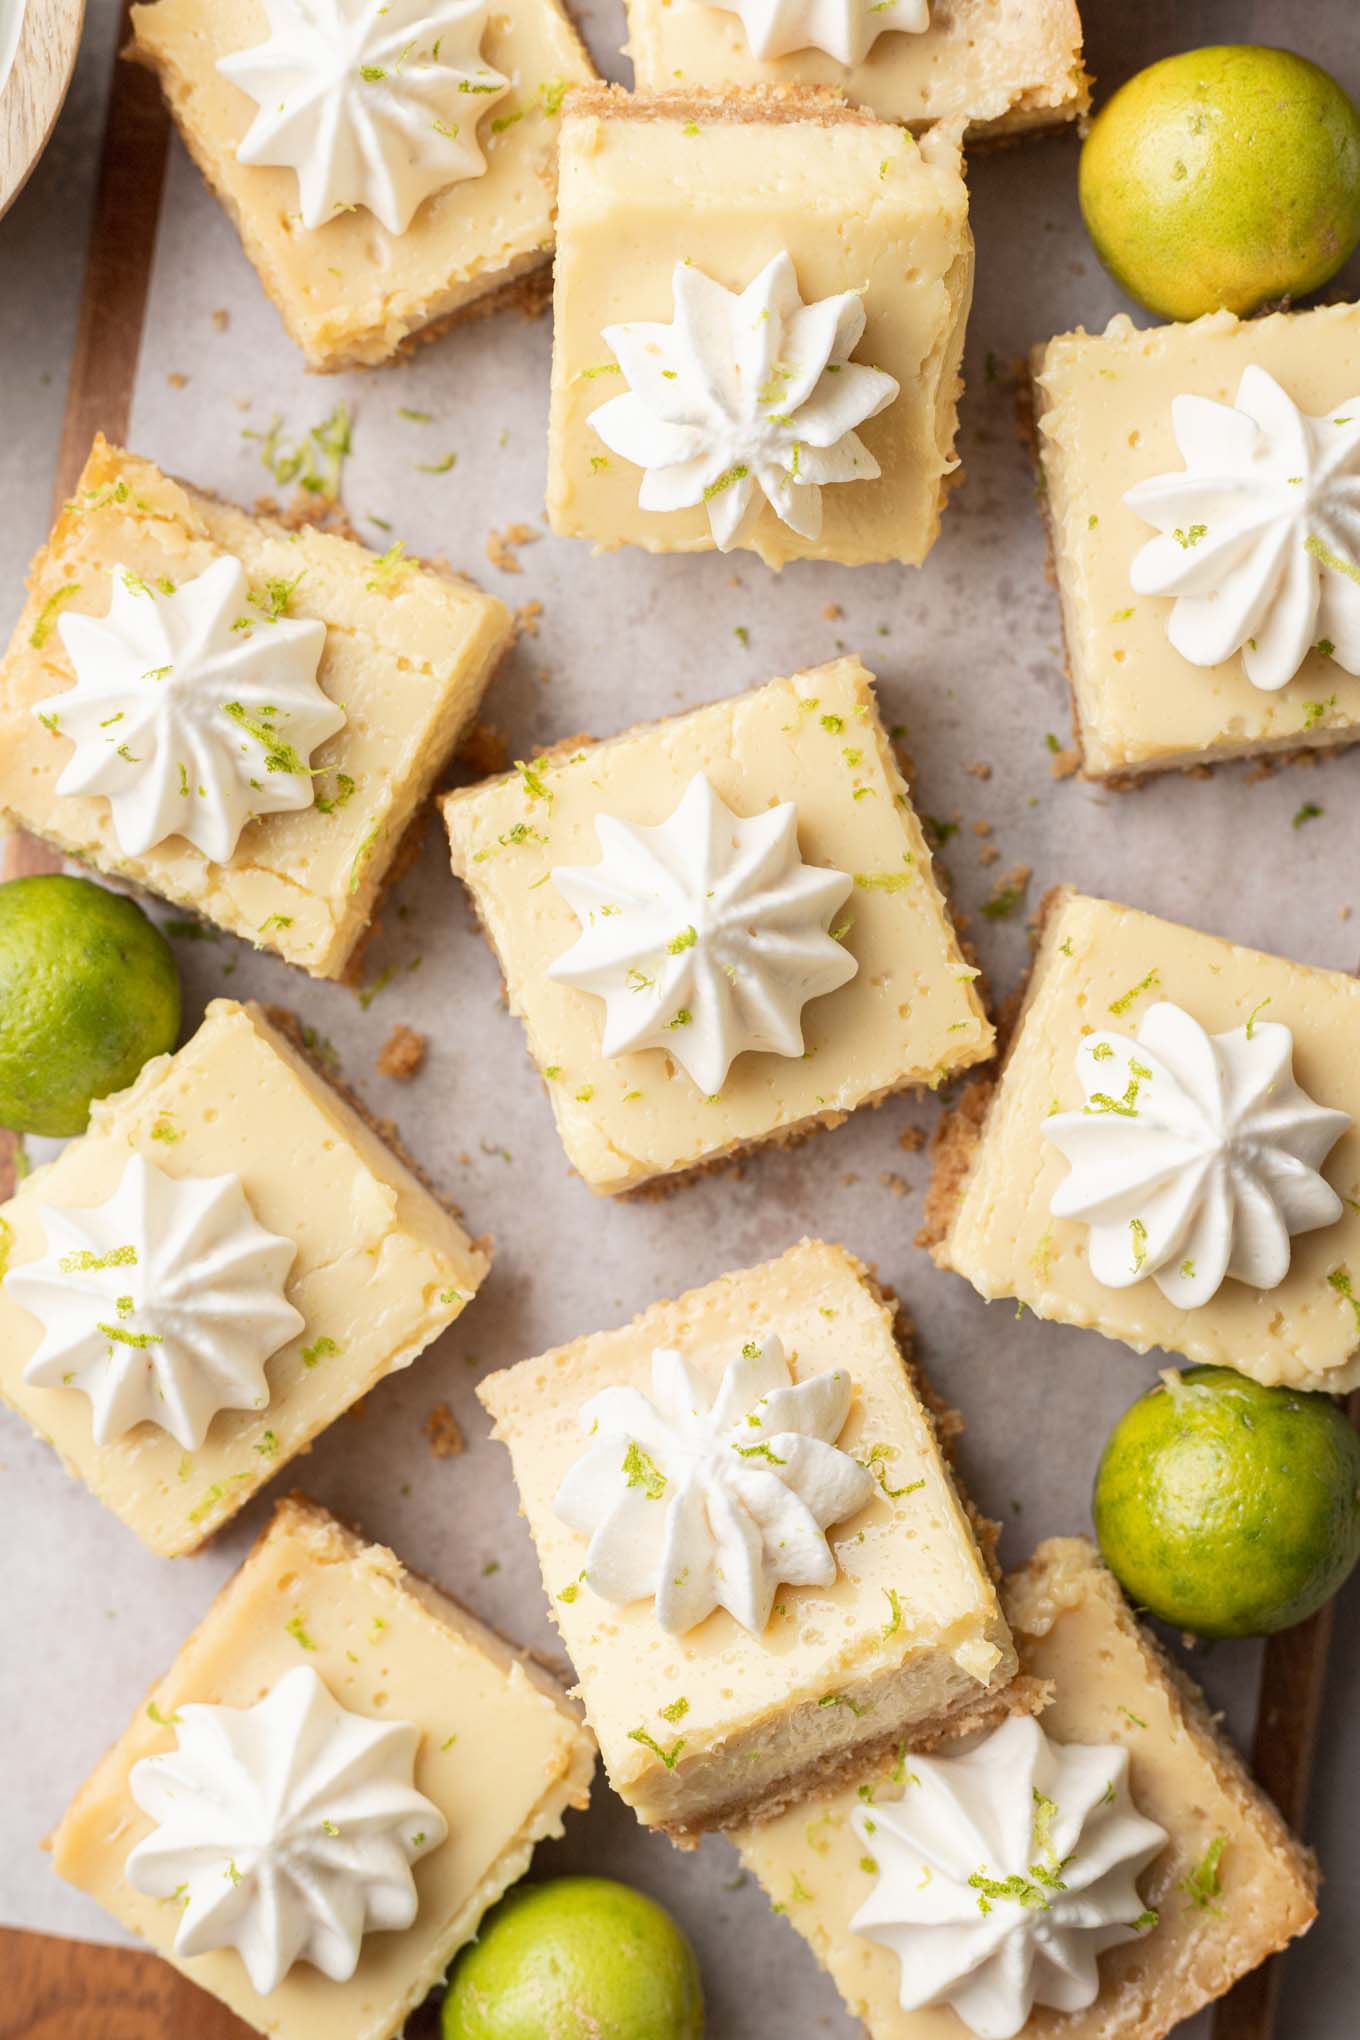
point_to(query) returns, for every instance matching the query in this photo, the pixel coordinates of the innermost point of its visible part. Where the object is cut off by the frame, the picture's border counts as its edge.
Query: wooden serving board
(68, 1990)
(32, 94)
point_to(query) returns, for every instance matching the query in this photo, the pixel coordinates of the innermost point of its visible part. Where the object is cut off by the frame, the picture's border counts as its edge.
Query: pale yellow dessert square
(711, 1727)
(381, 1267)
(728, 184)
(408, 653)
(910, 1015)
(1003, 67)
(1100, 965)
(502, 1754)
(1103, 414)
(350, 292)
(1110, 1685)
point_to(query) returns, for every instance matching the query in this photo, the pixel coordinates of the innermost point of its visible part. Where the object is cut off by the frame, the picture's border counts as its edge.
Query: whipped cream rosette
(700, 1500)
(706, 935)
(286, 1830)
(1260, 533)
(747, 394)
(1004, 1874)
(373, 103)
(1195, 1157)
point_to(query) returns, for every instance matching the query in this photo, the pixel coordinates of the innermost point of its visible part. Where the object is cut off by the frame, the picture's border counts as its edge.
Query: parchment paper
(967, 657)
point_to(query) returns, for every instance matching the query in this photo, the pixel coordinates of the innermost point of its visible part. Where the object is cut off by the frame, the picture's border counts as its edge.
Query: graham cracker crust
(777, 105)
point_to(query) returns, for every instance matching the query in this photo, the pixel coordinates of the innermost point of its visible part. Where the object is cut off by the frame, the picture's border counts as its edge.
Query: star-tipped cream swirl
(745, 391)
(702, 1501)
(1196, 1156)
(845, 29)
(372, 102)
(286, 1830)
(161, 1305)
(193, 709)
(1260, 534)
(1005, 1873)
(704, 936)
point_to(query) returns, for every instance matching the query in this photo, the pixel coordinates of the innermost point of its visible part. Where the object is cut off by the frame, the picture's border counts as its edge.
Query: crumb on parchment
(402, 1054)
(441, 1429)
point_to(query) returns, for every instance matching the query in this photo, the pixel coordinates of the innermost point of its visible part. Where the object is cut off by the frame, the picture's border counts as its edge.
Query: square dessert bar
(1230, 1887)
(1003, 68)
(501, 1754)
(407, 655)
(1103, 406)
(349, 285)
(652, 188)
(1099, 969)
(725, 1722)
(909, 1015)
(380, 1267)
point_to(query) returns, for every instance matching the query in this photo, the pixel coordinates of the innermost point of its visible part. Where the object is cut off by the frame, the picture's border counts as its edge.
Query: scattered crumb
(988, 854)
(402, 1054)
(221, 319)
(484, 750)
(849, 1179)
(500, 546)
(1065, 763)
(912, 1139)
(982, 828)
(979, 769)
(833, 612)
(1343, 913)
(441, 1428)
(892, 1181)
(526, 619)
(177, 381)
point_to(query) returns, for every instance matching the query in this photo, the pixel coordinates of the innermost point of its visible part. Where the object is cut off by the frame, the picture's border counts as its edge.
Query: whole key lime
(88, 993)
(1227, 176)
(577, 1958)
(1228, 1508)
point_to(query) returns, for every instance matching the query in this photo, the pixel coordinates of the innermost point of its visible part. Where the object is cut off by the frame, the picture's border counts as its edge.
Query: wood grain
(69, 1990)
(37, 84)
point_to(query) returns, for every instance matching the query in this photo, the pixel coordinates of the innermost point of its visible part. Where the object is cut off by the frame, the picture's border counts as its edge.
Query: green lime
(1226, 176)
(88, 993)
(1227, 1508)
(578, 1958)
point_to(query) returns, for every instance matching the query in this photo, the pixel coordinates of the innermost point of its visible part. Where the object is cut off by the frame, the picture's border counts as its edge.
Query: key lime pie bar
(212, 1274)
(1002, 68)
(339, 1774)
(241, 718)
(1171, 1152)
(758, 320)
(386, 166)
(1200, 483)
(721, 929)
(1099, 1874)
(751, 1542)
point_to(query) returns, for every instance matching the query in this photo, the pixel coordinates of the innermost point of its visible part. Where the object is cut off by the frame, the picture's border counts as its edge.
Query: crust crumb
(526, 619)
(177, 381)
(912, 1139)
(402, 1054)
(441, 1429)
(500, 546)
(890, 1180)
(1065, 763)
(979, 769)
(833, 612)
(221, 319)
